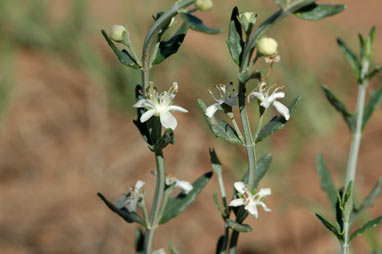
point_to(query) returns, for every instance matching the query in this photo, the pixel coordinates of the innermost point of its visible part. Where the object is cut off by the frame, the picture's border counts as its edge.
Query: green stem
(157, 203)
(235, 126)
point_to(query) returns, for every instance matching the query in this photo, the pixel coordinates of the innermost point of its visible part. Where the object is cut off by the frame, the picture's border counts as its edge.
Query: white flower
(185, 187)
(249, 200)
(267, 46)
(159, 251)
(267, 100)
(227, 96)
(116, 32)
(160, 105)
(132, 198)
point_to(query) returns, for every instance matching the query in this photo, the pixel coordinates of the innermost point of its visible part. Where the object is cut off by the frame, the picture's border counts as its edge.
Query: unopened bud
(204, 5)
(247, 19)
(116, 33)
(267, 46)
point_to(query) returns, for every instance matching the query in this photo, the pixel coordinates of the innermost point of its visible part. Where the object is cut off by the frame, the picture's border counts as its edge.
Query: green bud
(247, 20)
(267, 46)
(204, 5)
(116, 33)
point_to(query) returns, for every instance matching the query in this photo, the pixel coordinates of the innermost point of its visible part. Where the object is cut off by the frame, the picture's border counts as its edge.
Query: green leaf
(130, 217)
(175, 206)
(369, 200)
(277, 123)
(340, 107)
(235, 42)
(216, 203)
(167, 48)
(317, 12)
(221, 245)
(327, 184)
(330, 226)
(173, 250)
(166, 139)
(245, 76)
(368, 225)
(262, 166)
(139, 238)
(352, 59)
(374, 101)
(238, 227)
(215, 162)
(198, 25)
(283, 4)
(220, 128)
(369, 43)
(123, 56)
(376, 70)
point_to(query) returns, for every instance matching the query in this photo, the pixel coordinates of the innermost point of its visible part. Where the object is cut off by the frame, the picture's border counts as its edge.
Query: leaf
(368, 225)
(376, 70)
(220, 128)
(262, 166)
(352, 59)
(283, 4)
(340, 107)
(374, 101)
(369, 200)
(238, 227)
(235, 42)
(175, 206)
(215, 162)
(245, 76)
(167, 48)
(173, 250)
(123, 56)
(330, 226)
(166, 139)
(317, 12)
(130, 217)
(327, 184)
(139, 237)
(216, 203)
(277, 123)
(221, 245)
(198, 25)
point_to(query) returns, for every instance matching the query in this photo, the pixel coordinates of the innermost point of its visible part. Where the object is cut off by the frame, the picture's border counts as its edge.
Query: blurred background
(66, 128)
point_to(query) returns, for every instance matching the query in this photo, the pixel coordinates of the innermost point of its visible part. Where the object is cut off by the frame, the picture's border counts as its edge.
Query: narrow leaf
(317, 12)
(175, 206)
(369, 200)
(123, 56)
(277, 123)
(235, 42)
(352, 59)
(373, 72)
(221, 245)
(220, 128)
(139, 237)
(330, 226)
(215, 162)
(238, 227)
(340, 107)
(167, 48)
(327, 184)
(374, 101)
(262, 166)
(216, 203)
(368, 225)
(198, 25)
(130, 217)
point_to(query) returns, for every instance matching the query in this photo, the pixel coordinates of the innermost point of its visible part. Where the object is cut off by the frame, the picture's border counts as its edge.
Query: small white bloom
(249, 200)
(160, 105)
(247, 19)
(204, 5)
(132, 198)
(267, 100)
(116, 33)
(160, 251)
(227, 96)
(184, 186)
(267, 46)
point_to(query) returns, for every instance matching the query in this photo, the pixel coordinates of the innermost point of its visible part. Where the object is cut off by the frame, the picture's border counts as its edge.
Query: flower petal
(177, 108)
(147, 115)
(278, 95)
(237, 202)
(211, 110)
(121, 203)
(257, 95)
(139, 185)
(240, 187)
(186, 187)
(264, 192)
(131, 204)
(282, 109)
(262, 204)
(140, 103)
(168, 120)
(252, 210)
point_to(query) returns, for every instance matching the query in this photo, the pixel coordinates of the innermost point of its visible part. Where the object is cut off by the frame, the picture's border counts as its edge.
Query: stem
(235, 126)
(345, 243)
(156, 207)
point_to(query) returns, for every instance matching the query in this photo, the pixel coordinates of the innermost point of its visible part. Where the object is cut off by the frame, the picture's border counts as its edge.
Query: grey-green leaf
(317, 12)
(221, 245)
(123, 56)
(238, 227)
(368, 225)
(139, 238)
(175, 206)
(235, 42)
(352, 59)
(198, 25)
(369, 200)
(167, 48)
(220, 128)
(327, 184)
(262, 166)
(374, 101)
(376, 70)
(340, 107)
(330, 226)
(277, 123)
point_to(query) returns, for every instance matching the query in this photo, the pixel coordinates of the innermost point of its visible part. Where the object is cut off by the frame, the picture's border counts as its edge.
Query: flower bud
(267, 46)
(247, 19)
(116, 33)
(204, 5)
